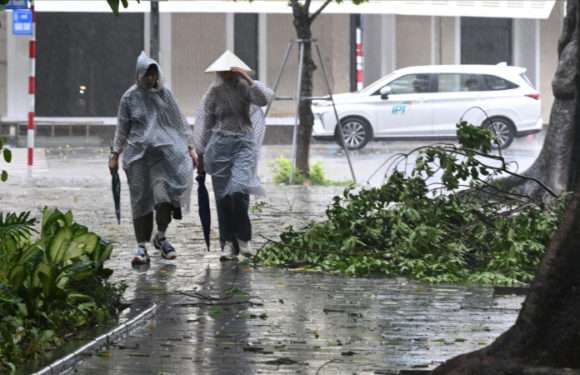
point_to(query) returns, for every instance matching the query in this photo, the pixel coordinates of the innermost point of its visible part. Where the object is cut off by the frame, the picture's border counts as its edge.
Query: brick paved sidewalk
(260, 320)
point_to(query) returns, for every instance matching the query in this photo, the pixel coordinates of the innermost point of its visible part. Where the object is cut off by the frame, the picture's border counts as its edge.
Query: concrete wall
(413, 41)
(197, 40)
(332, 32)
(3, 62)
(550, 30)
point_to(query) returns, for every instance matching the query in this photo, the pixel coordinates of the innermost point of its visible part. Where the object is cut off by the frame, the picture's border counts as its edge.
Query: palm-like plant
(15, 229)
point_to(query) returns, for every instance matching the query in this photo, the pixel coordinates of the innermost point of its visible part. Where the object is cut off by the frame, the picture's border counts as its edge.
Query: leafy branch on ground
(432, 223)
(51, 286)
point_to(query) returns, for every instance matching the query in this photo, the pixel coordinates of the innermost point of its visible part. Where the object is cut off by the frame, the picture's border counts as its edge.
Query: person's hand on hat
(241, 72)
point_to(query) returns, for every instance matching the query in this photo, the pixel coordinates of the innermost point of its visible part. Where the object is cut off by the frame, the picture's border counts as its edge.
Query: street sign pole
(31, 91)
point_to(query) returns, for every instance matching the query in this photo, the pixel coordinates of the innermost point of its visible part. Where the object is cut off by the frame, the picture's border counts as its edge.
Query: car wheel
(356, 131)
(504, 131)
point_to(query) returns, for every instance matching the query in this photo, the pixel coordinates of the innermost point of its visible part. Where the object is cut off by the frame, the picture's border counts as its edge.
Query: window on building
(246, 42)
(85, 62)
(486, 40)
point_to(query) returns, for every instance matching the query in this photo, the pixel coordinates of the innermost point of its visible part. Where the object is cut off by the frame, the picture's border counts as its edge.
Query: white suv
(428, 101)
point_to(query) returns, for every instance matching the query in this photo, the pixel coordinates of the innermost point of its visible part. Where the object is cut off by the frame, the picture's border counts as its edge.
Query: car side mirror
(385, 92)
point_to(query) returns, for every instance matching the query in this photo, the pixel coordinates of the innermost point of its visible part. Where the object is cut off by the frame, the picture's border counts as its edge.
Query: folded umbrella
(116, 185)
(203, 205)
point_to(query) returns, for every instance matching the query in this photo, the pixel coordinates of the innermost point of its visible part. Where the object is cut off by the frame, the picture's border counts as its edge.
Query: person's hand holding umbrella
(115, 183)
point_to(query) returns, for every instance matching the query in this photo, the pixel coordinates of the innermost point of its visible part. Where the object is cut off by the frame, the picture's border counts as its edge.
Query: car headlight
(321, 103)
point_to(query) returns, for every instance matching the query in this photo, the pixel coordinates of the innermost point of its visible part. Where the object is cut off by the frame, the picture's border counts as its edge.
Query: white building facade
(86, 56)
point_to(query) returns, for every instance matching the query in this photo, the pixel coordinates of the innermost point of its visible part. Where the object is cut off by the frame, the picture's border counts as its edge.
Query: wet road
(261, 320)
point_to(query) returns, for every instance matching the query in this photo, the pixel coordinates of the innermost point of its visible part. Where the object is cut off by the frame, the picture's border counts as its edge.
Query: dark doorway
(85, 62)
(246, 45)
(486, 40)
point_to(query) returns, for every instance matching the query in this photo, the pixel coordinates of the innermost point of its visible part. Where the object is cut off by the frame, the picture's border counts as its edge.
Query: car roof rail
(503, 63)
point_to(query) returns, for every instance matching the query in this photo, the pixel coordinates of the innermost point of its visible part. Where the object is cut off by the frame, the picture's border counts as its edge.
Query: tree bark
(553, 165)
(154, 32)
(303, 27)
(547, 331)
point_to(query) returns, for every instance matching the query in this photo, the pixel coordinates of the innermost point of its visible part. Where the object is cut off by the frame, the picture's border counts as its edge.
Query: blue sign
(16, 4)
(22, 22)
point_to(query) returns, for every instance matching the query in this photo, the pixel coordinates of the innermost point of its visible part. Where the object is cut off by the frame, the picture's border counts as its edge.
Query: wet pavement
(235, 319)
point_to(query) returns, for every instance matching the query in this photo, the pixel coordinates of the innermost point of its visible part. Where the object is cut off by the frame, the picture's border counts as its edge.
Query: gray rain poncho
(229, 131)
(153, 136)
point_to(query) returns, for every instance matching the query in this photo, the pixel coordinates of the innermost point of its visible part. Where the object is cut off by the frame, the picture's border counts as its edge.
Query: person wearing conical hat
(228, 133)
(158, 157)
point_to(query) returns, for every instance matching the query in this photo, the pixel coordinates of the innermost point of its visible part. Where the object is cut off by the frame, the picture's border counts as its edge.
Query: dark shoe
(167, 250)
(141, 257)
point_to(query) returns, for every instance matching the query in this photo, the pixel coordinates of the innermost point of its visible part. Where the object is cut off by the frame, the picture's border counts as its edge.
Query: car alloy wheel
(503, 131)
(355, 133)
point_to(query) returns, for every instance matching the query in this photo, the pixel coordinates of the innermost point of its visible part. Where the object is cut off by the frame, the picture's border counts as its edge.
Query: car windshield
(377, 85)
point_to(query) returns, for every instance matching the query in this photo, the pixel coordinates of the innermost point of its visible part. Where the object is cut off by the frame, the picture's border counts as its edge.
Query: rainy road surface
(234, 319)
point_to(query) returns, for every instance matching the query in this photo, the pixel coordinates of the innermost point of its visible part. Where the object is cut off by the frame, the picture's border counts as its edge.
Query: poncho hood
(143, 63)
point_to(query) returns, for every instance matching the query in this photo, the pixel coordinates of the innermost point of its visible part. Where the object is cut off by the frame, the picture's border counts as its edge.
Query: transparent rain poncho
(153, 137)
(229, 131)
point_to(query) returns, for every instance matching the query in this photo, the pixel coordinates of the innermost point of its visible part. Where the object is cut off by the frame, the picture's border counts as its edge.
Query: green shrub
(50, 286)
(283, 168)
(443, 234)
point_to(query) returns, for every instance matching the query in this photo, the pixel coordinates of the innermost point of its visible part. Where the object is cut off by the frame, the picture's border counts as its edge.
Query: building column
(263, 47)
(230, 30)
(165, 47)
(435, 40)
(526, 47)
(457, 40)
(379, 45)
(17, 72)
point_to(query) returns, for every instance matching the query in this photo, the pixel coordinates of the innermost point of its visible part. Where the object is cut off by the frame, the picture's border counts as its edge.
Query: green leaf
(4, 176)
(7, 155)
(82, 245)
(59, 245)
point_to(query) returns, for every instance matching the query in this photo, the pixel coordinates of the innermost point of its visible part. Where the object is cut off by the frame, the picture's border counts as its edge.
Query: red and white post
(31, 91)
(359, 59)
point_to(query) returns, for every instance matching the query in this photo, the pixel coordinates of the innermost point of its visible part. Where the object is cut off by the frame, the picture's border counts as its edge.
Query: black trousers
(233, 218)
(144, 225)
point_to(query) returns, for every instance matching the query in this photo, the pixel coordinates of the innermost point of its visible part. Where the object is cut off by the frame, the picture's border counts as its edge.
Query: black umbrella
(203, 204)
(116, 185)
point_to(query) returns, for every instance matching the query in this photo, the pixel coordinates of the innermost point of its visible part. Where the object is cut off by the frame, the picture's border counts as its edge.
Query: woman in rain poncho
(228, 132)
(158, 157)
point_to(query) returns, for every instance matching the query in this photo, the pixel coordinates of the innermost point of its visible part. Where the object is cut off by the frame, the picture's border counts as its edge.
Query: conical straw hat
(226, 62)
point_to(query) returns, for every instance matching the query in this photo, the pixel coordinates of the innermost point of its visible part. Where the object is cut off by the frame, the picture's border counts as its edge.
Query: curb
(67, 362)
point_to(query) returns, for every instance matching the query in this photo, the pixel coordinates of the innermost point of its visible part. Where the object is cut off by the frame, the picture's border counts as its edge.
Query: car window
(459, 82)
(526, 79)
(411, 84)
(494, 83)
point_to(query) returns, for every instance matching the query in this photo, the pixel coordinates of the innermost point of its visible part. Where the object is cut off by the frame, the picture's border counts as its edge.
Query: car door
(457, 95)
(404, 112)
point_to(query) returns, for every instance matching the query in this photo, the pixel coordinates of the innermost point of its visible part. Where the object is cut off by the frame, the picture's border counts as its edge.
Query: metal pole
(279, 78)
(340, 134)
(154, 31)
(359, 56)
(298, 102)
(31, 91)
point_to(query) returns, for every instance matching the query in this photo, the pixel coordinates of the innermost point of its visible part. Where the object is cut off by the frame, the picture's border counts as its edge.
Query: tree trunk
(303, 26)
(154, 32)
(552, 166)
(547, 331)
